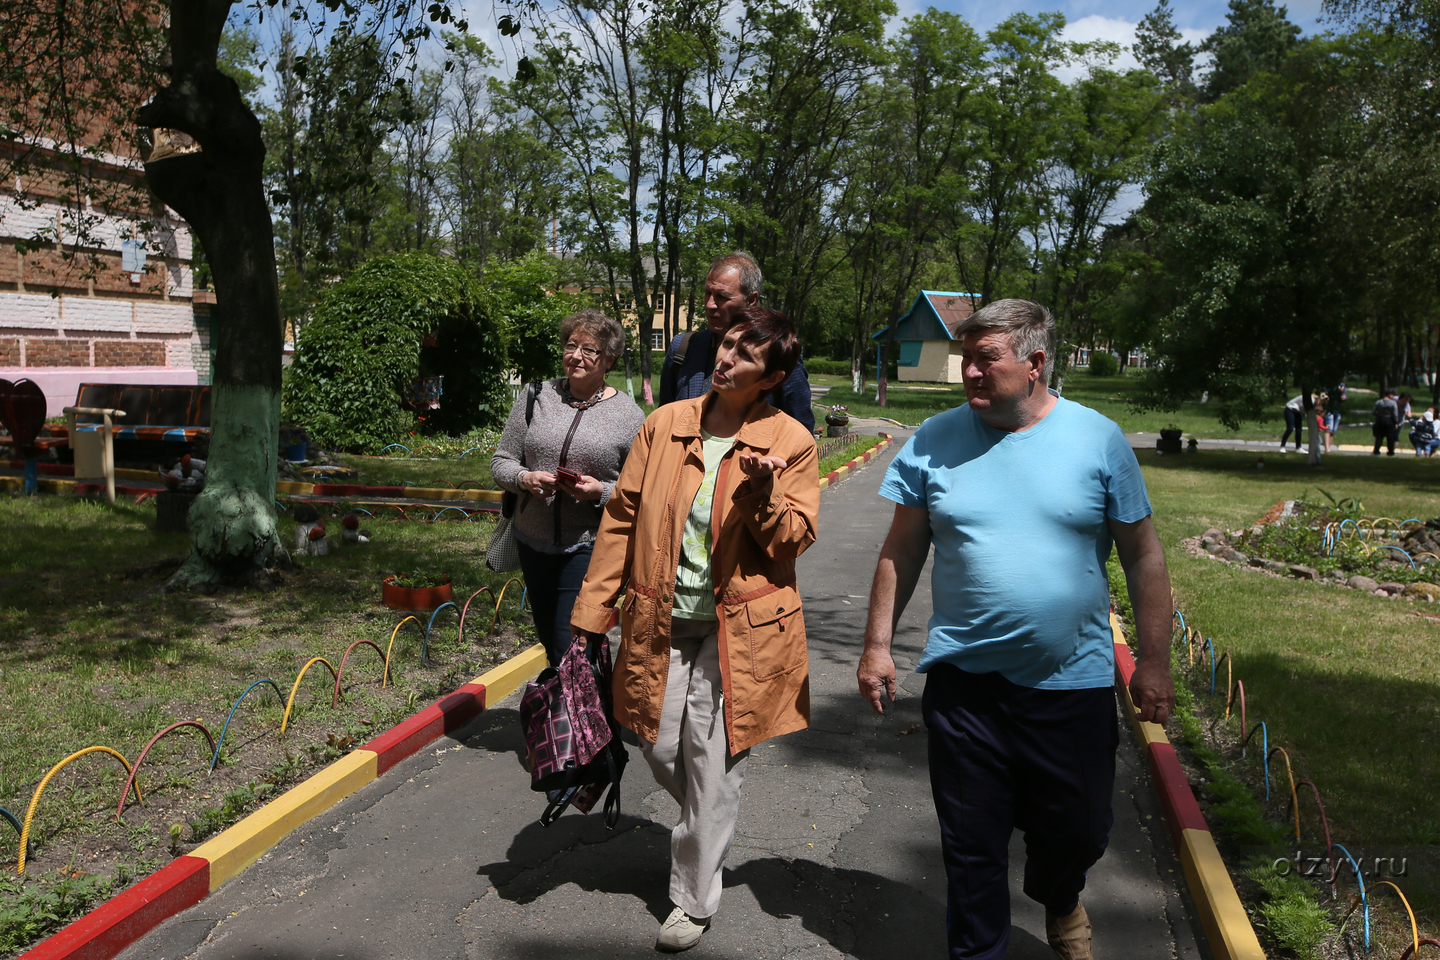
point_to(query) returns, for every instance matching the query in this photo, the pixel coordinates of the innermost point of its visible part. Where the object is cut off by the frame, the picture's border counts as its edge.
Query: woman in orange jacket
(718, 497)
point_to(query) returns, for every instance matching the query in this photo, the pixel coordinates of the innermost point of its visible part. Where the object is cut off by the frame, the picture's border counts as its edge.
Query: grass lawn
(93, 653)
(1347, 683)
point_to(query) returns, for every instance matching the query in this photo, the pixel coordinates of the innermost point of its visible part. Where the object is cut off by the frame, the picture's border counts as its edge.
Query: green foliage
(1104, 364)
(1290, 913)
(363, 346)
(33, 908)
(519, 293)
(420, 579)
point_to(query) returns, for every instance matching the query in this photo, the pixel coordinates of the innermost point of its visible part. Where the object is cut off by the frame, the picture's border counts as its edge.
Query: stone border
(116, 924)
(1218, 545)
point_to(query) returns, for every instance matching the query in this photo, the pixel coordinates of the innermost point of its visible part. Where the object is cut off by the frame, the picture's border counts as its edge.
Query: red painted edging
(410, 737)
(108, 929)
(1181, 811)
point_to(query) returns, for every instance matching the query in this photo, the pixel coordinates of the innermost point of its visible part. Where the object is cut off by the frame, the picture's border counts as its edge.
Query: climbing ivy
(365, 343)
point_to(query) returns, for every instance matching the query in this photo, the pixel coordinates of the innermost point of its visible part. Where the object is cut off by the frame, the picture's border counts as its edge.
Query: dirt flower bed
(1335, 543)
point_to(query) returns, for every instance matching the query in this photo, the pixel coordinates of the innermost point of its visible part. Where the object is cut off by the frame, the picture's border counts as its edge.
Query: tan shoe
(679, 932)
(1069, 936)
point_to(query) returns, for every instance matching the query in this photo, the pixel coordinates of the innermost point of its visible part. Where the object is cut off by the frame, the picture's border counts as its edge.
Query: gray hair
(1030, 327)
(750, 279)
(604, 328)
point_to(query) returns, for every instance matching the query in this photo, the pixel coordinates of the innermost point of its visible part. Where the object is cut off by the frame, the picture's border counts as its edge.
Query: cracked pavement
(836, 853)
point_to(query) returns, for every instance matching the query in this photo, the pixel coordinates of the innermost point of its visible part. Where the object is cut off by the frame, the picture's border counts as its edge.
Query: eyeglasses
(589, 353)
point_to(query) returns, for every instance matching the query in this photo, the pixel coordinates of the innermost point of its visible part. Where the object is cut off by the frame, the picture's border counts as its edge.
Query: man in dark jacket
(1386, 426)
(732, 286)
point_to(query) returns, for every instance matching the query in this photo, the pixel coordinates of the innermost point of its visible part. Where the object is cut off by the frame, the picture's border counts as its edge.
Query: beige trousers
(691, 759)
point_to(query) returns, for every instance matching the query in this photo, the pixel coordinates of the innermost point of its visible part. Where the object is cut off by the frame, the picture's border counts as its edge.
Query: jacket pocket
(775, 633)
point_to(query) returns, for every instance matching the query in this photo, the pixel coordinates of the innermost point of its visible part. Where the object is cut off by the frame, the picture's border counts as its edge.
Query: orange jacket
(758, 531)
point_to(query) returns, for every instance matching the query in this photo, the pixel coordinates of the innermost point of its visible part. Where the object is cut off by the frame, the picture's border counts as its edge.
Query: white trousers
(691, 759)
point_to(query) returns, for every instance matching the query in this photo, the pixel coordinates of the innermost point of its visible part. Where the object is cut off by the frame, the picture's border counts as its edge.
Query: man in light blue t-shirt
(1022, 494)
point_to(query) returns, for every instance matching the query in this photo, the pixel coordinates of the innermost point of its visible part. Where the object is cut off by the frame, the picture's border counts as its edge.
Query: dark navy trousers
(1006, 757)
(552, 582)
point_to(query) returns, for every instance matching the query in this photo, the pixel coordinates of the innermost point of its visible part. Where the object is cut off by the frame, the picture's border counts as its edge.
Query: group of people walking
(690, 521)
(1389, 415)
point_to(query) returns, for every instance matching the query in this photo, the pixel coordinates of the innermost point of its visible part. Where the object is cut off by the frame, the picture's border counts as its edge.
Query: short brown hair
(605, 329)
(770, 336)
(751, 280)
(1029, 325)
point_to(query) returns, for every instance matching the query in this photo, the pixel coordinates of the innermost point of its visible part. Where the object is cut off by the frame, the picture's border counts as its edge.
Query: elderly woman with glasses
(562, 454)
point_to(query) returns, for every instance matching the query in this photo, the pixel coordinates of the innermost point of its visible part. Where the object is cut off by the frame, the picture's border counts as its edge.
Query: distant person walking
(1385, 426)
(1022, 494)
(1294, 417)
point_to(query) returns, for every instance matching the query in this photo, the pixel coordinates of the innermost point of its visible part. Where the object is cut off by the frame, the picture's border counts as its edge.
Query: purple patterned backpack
(572, 745)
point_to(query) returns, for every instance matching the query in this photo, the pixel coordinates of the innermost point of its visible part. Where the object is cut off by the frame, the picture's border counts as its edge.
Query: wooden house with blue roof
(925, 336)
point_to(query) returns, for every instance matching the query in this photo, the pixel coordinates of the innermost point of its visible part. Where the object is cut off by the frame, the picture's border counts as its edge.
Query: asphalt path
(836, 854)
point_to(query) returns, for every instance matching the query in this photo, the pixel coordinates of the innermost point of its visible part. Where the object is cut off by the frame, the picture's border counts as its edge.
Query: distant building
(72, 314)
(925, 336)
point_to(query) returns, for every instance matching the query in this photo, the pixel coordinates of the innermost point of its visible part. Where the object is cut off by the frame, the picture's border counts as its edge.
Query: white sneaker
(679, 932)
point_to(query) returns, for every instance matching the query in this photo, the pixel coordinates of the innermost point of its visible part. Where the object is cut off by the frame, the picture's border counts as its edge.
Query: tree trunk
(219, 192)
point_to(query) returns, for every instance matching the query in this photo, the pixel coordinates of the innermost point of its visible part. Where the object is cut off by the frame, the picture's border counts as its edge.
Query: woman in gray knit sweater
(564, 464)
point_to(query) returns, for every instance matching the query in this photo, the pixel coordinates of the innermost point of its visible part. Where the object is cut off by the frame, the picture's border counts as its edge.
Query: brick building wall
(72, 315)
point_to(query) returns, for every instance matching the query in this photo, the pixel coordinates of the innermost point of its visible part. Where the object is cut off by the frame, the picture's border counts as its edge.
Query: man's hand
(876, 675)
(901, 556)
(758, 467)
(1153, 692)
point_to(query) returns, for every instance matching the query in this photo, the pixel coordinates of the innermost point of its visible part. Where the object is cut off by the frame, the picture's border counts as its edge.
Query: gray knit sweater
(602, 440)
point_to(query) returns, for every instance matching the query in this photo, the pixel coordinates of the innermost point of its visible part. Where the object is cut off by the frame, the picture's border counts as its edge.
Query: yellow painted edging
(1227, 926)
(826, 482)
(243, 844)
(508, 677)
(294, 486)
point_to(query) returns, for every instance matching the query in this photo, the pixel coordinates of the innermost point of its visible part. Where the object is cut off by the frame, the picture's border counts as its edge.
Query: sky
(1113, 20)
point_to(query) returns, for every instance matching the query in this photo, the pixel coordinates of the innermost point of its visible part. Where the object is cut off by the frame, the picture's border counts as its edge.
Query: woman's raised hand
(754, 465)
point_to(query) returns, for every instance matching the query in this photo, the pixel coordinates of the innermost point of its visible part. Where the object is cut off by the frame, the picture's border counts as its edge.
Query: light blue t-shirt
(1019, 526)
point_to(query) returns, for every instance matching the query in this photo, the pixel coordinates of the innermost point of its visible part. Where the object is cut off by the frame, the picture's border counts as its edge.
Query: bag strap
(679, 361)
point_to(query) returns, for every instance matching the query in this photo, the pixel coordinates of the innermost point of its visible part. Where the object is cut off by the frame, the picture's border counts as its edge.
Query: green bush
(818, 365)
(1103, 363)
(365, 344)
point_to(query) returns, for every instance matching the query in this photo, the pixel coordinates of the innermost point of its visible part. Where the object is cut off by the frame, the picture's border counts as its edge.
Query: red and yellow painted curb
(1227, 926)
(835, 476)
(185, 881)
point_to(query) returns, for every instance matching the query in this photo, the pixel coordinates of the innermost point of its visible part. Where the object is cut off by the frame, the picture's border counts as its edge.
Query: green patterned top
(694, 590)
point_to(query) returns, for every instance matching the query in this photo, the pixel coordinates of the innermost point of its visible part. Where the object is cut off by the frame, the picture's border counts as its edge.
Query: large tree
(57, 49)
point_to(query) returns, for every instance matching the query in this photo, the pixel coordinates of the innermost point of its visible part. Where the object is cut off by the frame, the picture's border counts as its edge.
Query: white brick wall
(169, 238)
(29, 311)
(154, 316)
(179, 353)
(96, 313)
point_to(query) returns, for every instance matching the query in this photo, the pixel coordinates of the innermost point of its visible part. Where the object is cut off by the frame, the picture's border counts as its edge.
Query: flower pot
(837, 419)
(397, 597)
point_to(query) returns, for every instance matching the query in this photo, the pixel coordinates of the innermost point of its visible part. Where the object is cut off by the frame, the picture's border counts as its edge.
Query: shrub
(1103, 363)
(365, 343)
